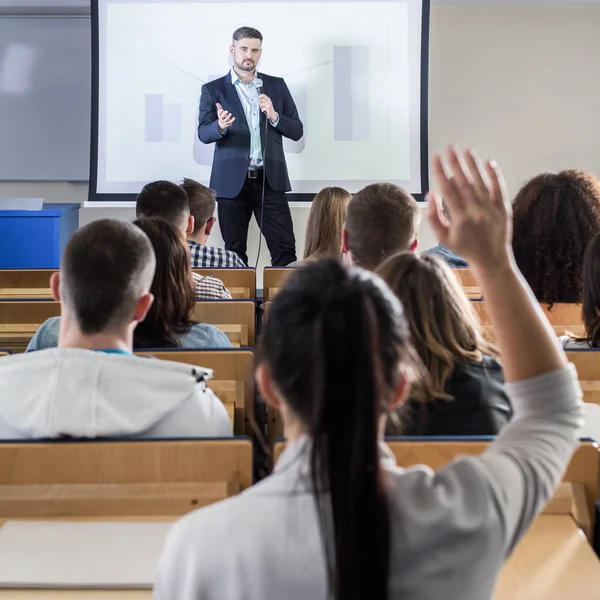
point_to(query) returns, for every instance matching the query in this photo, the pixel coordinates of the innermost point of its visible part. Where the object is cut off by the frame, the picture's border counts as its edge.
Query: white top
(451, 529)
(82, 393)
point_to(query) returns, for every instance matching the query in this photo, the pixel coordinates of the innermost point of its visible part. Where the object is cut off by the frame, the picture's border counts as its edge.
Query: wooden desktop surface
(554, 561)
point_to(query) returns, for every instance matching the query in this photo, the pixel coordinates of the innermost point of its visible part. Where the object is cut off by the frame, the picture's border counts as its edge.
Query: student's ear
(142, 308)
(345, 245)
(400, 392)
(413, 247)
(209, 225)
(55, 285)
(265, 386)
(190, 226)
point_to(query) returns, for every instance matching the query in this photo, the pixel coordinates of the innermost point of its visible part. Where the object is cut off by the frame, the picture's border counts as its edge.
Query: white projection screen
(357, 71)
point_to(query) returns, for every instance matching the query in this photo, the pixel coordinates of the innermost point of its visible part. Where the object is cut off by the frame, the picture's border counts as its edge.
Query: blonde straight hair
(325, 224)
(445, 329)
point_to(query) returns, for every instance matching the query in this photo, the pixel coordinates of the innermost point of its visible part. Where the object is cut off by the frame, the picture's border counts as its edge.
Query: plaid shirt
(210, 288)
(207, 257)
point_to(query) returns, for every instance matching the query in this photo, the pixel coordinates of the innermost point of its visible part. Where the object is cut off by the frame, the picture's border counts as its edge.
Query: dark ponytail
(333, 343)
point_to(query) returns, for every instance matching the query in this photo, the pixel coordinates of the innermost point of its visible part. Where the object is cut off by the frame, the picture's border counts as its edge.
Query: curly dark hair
(555, 217)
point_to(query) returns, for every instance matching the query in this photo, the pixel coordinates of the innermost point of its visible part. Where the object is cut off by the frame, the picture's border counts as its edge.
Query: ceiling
(52, 4)
(16, 4)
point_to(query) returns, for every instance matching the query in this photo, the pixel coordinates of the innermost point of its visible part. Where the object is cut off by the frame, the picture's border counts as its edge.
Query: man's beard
(245, 67)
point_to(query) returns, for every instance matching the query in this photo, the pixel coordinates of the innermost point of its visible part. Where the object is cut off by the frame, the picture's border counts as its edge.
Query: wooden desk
(554, 561)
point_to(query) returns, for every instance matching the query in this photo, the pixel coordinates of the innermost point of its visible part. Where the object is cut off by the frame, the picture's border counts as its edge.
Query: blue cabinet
(36, 239)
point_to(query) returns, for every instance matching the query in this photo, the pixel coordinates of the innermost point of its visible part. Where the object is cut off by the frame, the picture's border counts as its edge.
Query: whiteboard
(45, 98)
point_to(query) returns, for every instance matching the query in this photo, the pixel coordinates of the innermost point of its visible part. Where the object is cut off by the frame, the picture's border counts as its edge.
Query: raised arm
(289, 124)
(523, 467)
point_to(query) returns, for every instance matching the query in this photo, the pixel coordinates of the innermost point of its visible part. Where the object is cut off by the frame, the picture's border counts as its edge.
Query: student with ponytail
(338, 519)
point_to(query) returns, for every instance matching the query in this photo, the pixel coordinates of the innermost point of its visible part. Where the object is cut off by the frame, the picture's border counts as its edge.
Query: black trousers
(235, 214)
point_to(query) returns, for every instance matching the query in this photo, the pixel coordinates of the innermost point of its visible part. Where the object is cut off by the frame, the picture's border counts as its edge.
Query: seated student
(92, 385)
(202, 201)
(381, 220)
(169, 323)
(590, 310)
(169, 201)
(555, 218)
(338, 518)
(325, 225)
(464, 392)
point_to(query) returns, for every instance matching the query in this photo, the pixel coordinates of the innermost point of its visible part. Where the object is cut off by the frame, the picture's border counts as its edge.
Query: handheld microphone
(258, 84)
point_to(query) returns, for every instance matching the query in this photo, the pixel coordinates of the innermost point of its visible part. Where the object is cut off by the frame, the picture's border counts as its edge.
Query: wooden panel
(109, 499)
(228, 366)
(25, 278)
(587, 364)
(273, 280)
(240, 282)
(224, 313)
(71, 471)
(564, 318)
(468, 283)
(19, 320)
(584, 467)
(553, 561)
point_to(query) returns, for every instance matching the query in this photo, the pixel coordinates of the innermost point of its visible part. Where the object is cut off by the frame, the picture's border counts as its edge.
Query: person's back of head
(382, 220)
(202, 203)
(554, 218)
(326, 223)
(444, 327)
(106, 270)
(333, 347)
(591, 293)
(172, 287)
(167, 200)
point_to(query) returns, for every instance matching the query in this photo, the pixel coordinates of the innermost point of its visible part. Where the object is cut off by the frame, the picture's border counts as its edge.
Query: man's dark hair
(243, 33)
(163, 199)
(202, 201)
(107, 266)
(381, 220)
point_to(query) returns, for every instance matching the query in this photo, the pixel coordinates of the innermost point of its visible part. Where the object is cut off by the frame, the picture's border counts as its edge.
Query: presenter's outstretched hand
(225, 118)
(480, 219)
(266, 106)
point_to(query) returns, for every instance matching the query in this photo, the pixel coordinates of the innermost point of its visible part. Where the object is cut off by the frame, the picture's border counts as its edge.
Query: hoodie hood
(82, 393)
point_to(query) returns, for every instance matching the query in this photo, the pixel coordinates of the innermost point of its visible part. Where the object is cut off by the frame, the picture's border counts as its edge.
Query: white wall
(519, 84)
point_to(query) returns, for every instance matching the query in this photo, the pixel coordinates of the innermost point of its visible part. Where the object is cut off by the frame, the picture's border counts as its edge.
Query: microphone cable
(264, 179)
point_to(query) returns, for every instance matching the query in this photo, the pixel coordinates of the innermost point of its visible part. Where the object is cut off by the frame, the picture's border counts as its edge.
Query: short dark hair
(107, 266)
(174, 294)
(242, 33)
(202, 201)
(381, 220)
(555, 216)
(163, 199)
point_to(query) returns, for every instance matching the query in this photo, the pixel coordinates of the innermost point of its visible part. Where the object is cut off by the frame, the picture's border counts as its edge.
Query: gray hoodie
(82, 393)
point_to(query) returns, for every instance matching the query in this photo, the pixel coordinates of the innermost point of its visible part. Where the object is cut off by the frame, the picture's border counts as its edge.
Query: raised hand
(480, 219)
(225, 118)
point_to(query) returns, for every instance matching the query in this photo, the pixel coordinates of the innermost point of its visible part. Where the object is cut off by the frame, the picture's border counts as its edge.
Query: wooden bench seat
(241, 283)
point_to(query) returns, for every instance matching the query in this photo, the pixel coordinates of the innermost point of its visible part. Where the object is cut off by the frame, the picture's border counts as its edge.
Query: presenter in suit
(247, 124)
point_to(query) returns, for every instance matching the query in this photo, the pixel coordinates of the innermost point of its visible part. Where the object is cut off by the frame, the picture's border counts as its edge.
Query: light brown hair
(202, 202)
(381, 220)
(325, 223)
(445, 330)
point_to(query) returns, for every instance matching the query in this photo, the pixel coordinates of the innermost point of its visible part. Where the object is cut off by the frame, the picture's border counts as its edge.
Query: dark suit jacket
(232, 150)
